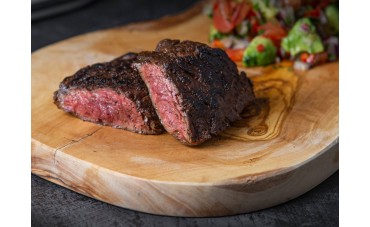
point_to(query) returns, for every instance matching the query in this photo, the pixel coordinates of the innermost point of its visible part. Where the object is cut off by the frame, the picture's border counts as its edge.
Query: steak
(111, 94)
(196, 90)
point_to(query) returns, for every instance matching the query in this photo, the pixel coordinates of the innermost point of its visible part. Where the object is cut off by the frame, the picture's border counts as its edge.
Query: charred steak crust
(208, 89)
(118, 77)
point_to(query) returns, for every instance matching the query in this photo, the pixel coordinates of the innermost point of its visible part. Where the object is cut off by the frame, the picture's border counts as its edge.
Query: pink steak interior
(166, 101)
(104, 106)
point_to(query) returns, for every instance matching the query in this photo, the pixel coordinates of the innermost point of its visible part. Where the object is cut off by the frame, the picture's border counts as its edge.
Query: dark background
(53, 205)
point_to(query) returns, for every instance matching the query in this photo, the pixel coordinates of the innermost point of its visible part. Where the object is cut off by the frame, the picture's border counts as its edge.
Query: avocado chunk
(267, 10)
(260, 52)
(332, 13)
(302, 38)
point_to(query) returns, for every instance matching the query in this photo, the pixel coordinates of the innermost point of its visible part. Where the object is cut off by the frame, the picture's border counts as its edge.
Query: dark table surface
(53, 205)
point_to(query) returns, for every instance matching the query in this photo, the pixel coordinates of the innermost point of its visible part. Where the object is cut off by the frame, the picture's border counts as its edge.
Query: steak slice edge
(196, 90)
(111, 94)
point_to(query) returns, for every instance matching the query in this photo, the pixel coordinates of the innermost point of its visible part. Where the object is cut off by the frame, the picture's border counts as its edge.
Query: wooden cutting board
(261, 161)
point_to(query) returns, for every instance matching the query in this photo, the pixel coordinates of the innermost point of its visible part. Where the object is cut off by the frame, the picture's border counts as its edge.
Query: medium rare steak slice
(196, 90)
(111, 94)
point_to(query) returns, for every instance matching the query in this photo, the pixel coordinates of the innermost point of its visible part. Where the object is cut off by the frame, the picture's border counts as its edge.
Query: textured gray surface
(53, 205)
(100, 15)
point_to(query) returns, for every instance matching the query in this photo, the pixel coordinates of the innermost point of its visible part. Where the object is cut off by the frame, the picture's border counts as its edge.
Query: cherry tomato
(304, 57)
(254, 19)
(260, 48)
(235, 54)
(318, 6)
(315, 13)
(254, 25)
(218, 44)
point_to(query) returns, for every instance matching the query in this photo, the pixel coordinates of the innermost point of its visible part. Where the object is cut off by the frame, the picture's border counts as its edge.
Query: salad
(263, 32)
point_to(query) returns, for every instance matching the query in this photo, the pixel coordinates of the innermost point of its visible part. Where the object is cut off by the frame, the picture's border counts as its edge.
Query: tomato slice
(273, 31)
(220, 13)
(240, 11)
(227, 14)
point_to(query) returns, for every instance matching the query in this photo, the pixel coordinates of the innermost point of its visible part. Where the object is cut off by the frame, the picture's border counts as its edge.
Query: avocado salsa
(263, 32)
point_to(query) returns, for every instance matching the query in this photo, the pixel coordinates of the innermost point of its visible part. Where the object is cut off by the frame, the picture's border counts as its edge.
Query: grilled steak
(196, 90)
(112, 94)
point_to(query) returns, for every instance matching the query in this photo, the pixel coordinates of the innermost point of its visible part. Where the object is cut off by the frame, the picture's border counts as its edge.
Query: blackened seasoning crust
(112, 94)
(196, 90)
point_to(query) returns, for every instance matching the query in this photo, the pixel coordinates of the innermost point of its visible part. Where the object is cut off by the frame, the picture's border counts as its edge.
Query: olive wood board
(281, 152)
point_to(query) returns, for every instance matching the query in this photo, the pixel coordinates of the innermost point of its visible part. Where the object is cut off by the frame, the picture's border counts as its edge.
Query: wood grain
(261, 161)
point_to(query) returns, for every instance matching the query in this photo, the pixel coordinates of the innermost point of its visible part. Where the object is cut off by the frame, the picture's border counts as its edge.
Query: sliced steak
(196, 90)
(111, 94)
